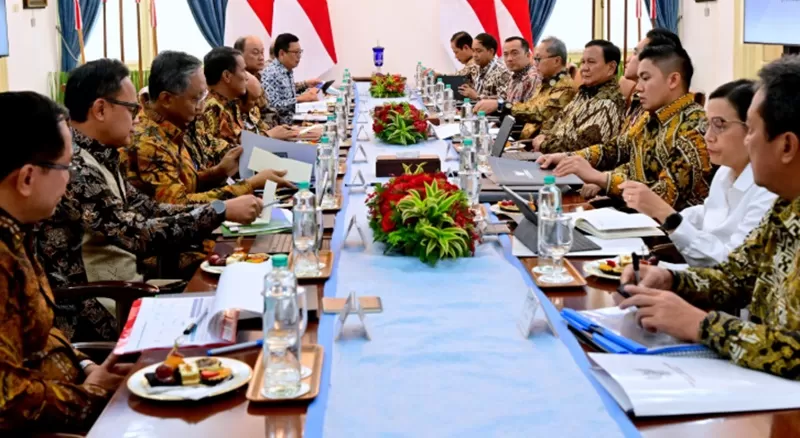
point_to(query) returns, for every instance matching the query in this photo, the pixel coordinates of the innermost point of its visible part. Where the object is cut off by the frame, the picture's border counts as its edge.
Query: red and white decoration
(307, 19)
(500, 18)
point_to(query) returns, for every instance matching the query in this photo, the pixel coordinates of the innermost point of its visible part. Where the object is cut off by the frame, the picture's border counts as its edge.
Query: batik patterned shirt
(222, 120)
(540, 112)
(133, 222)
(162, 162)
(281, 90)
(40, 374)
(491, 81)
(523, 84)
(594, 116)
(764, 274)
(665, 151)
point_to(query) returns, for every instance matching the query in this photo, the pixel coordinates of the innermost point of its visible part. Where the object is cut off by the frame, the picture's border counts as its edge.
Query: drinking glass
(318, 244)
(556, 239)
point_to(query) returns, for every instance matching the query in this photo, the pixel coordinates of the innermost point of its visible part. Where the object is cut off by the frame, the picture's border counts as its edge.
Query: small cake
(610, 267)
(236, 257)
(506, 205)
(258, 257)
(190, 375)
(208, 364)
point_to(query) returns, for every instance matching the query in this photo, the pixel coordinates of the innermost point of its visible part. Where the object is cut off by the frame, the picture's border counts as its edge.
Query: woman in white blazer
(706, 234)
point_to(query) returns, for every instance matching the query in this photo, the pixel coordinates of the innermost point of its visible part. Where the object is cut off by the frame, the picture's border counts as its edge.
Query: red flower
(387, 224)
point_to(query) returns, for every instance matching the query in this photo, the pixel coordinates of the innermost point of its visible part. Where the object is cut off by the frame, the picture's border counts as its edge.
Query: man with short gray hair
(553, 93)
(165, 158)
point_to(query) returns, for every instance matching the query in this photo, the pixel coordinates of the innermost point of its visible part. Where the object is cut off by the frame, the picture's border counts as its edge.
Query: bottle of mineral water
(484, 141)
(468, 175)
(439, 95)
(330, 129)
(449, 105)
(325, 175)
(467, 126)
(418, 76)
(341, 118)
(304, 231)
(282, 325)
(345, 100)
(431, 86)
(549, 207)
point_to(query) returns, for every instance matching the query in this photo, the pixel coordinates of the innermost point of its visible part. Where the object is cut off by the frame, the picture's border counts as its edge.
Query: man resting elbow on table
(762, 274)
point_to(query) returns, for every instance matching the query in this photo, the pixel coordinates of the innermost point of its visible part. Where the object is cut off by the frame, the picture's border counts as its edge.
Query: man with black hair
(46, 385)
(461, 44)
(655, 37)
(665, 148)
(556, 89)
(762, 274)
(278, 79)
(165, 159)
(490, 77)
(524, 77)
(595, 115)
(103, 225)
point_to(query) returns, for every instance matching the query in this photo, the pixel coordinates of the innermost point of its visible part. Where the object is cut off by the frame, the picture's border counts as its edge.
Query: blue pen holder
(377, 57)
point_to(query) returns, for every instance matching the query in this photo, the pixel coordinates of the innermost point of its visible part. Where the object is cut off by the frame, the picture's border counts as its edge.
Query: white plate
(495, 208)
(242, 373)
(593, 268)
(216, 270)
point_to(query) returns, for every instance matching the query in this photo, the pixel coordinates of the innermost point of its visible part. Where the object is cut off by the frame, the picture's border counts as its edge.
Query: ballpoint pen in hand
(635, 260)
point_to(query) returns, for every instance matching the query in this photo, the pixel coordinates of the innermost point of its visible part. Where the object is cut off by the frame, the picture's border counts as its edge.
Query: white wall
(33, 46)
(709, 41)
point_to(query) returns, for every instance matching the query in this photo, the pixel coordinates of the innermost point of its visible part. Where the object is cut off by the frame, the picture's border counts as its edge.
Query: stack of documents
(647, 386)
(279, 222)
(614, 330)
(608, 223)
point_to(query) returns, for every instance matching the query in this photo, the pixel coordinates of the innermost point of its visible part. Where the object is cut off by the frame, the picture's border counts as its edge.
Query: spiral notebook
(614, 330)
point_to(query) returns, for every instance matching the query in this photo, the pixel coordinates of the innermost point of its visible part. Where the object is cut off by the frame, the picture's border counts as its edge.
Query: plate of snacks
(189, 378)
(508, 206)
(609, 268)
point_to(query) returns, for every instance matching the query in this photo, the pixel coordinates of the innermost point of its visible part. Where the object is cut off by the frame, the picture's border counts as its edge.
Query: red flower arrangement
(422, 215)
(385, 86)
(400, 123)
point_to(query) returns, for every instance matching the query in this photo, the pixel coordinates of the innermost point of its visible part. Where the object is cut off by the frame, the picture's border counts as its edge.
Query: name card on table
(529, 309)
(392, 165)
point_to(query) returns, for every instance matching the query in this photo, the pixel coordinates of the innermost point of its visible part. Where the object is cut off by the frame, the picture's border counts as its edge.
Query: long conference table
(346, 399)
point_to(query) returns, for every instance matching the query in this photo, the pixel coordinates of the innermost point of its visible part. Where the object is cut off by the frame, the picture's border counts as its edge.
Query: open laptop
(524, 173)
(502, 136)
(528, 229)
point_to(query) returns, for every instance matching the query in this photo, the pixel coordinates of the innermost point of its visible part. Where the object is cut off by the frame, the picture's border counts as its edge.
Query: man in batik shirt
(524, 77)
(164, 158)
(461, 45)
(596, 113)
(45, 384)
(278, 79)
(665, 148)
(103, 226)
(763, 274)
(491, 77)
(554, 92)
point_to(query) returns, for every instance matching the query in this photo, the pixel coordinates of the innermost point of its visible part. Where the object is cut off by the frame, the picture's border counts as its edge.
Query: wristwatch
(219, 208)
(672, 222)
(503, 107)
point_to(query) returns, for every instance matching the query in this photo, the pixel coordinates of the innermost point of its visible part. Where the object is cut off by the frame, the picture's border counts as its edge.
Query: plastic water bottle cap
(447, 87)
(280, 261)
(302, 185)
(550, 179)
(419, 62)
(331, 117)
(324, 139)
(481, 113)
(439, 81)
(340, 99)
(466, 100)
(467, 142)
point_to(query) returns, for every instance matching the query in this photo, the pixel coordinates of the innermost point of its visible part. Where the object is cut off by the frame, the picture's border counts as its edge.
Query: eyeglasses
(299, 53)
(198, 100)
(133, 107)
(719, 125)
(71, 168)
(538, 59)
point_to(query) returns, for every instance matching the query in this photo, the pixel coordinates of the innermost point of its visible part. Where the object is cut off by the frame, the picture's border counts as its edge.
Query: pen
(635, 259)
(189, 329)
(235, 347)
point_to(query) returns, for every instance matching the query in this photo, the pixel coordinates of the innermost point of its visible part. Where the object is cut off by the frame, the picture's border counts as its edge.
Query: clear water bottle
(282, 331)
(325, 175)
(430, 86)
(439, 95)
(467, 124)
(468, 175)
(345, 100)
(304, 231)
(418, 76)
(484, 142)
(330, 129)
(549, 207)
(449, 105)
(341, 118)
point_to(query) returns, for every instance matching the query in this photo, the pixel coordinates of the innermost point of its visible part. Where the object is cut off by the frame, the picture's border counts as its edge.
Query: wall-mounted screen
(772, 22)
(3, 30)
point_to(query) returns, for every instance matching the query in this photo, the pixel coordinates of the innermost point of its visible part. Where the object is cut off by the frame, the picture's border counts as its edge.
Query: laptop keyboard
(522, 155)
(528, 233)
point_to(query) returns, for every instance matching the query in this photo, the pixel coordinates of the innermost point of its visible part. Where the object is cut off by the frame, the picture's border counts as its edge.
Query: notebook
(614, 330)
(647, 386)
(608, 223)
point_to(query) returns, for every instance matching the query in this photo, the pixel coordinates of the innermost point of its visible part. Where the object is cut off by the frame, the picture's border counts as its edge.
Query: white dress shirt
(709, 232)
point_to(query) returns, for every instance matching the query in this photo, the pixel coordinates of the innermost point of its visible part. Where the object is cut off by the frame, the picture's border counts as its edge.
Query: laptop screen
(502, 136)
(523, 206)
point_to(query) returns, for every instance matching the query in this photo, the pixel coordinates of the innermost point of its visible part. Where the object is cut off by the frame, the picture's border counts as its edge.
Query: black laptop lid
(523, 206)
(455, 82)
(502, 136)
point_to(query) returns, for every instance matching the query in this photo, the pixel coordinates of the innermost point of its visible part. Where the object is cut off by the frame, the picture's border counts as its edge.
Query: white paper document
(157, 322)
(610, 223)
(295, 170)
(443, 132)
(608, 248)
(658, 385)
(307, 107)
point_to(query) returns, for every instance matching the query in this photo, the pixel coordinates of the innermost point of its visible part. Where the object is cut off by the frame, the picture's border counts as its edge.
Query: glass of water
(556, 239)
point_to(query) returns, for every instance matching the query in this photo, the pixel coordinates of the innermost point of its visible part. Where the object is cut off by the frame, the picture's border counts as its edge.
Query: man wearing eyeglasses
(278, 79)
(103, 225)
(553, 93)
(524, 77)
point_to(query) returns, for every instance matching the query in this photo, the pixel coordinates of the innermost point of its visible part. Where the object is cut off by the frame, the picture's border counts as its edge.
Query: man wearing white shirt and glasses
(705, 234)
